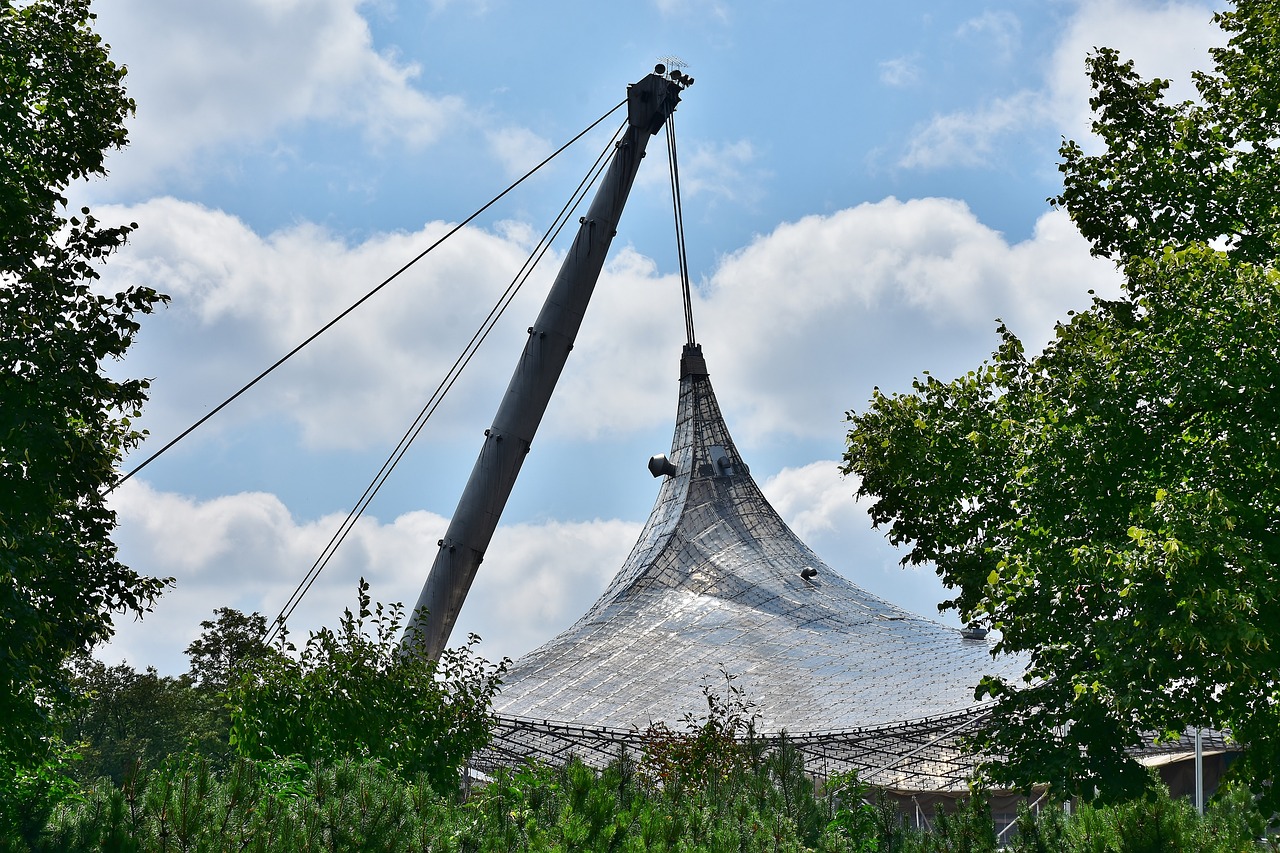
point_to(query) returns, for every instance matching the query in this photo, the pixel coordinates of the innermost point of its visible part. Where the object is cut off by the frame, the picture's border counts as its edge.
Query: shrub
(355, 694)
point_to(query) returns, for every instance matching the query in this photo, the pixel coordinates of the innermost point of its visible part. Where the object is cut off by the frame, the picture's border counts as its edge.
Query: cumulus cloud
(241, 300)
(476, 7)
(816, 502)
(210, 74)
(539, 579)
(808, 318)
(248, 551)
(803, 321)
(716, 9)
(972, 138)
(620, 376)
(1165, 39)
(814, 498)
(798, 326)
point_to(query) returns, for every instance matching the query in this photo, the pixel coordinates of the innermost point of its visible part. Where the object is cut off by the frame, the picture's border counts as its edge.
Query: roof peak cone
(718, 582)
(711, 530)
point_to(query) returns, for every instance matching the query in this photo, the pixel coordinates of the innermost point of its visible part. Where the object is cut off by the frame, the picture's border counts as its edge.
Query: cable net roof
(716, 583)
(919, 755)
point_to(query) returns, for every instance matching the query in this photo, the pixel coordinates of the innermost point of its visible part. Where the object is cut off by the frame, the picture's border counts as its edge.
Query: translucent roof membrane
(717, 583)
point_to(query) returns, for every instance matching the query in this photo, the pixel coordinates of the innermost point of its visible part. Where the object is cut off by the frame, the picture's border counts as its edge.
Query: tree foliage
(187, 804)
(708, 747)
(1110, 504)
(124, 721)
(1174, 174)
(64, 423)
(354, 693)
(229, 644)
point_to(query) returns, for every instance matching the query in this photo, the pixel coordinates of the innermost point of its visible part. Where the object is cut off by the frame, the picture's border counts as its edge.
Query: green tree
(63, 422)
(1110, 505)
(124, 721)
(352, 693)
(1174, 174)
(229, 643)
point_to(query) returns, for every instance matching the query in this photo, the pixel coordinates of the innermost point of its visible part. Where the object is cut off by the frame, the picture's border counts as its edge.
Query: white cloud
(717, 9)
(247, 551)
(620, 377)
(538, 579)
(808, 318)
(724, 172)
(818, 505)
(799, 320)
(1001, 29)
(233, 72)
(240, 301)
(476, 7)
(900, 72)
(798, 326)
(1167, 39)
(815, 498)
(971, 138)
(518, 149)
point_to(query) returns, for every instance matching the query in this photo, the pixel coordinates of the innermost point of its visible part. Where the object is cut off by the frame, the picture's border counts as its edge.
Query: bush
(186, 805)
(1157, 822)
(353, 694)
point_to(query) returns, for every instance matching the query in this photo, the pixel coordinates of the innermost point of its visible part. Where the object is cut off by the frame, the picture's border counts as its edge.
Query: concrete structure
(649, 104)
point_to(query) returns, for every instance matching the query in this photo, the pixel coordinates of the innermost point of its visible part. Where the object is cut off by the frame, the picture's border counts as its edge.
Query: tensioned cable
(451, 377)
(442, 389)
(913, 753)
(679, 217)
(327, 326)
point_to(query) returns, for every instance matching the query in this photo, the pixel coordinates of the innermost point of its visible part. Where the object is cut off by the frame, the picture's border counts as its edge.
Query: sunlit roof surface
(714, 584)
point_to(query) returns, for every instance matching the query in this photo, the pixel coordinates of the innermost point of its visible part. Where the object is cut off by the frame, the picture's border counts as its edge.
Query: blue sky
(864, 193)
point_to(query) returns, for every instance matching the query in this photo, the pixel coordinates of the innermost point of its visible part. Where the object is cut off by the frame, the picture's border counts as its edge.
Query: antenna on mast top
(672, 67)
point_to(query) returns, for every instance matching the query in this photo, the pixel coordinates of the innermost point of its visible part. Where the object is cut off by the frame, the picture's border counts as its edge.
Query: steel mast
(650, 103)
